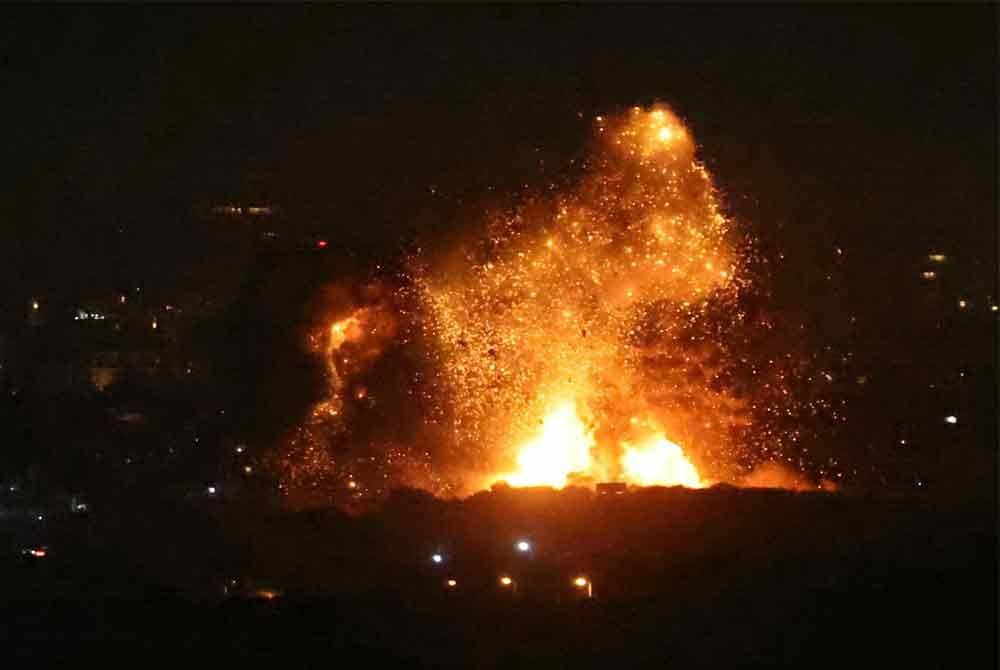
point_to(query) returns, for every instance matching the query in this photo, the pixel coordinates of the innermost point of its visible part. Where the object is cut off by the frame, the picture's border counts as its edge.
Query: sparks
(567, 320)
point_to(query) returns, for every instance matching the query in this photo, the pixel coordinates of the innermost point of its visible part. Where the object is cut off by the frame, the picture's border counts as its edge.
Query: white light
(239, 450)
(437, 558)
(211, 490)
(523, 546)
(951, 418)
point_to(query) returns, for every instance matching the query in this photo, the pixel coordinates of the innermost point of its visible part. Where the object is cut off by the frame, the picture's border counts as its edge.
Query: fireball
(575, 312)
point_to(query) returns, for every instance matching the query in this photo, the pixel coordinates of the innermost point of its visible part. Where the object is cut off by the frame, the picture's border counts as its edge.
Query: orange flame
(562, 451)
(658, 461)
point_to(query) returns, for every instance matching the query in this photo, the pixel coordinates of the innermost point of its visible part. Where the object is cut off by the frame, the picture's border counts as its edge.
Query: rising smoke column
(594, 299)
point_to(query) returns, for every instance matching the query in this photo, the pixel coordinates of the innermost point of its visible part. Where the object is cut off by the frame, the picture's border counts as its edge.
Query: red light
(321, 244)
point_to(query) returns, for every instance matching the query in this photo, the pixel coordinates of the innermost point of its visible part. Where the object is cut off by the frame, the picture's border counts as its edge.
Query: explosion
(594, 332)
(564, 332)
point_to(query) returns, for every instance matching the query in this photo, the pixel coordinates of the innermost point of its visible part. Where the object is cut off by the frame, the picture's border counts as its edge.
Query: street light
(583, 583)
(437, 558)
(523, 546)
(507, 583)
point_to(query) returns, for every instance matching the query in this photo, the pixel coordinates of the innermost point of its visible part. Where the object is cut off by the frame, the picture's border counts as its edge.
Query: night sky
(873, 130)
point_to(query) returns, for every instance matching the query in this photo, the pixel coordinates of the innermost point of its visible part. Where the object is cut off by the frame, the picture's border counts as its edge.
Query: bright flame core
(658, 461)
(563, 448)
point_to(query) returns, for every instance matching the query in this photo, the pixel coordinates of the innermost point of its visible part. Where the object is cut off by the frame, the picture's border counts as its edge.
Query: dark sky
(873, 129)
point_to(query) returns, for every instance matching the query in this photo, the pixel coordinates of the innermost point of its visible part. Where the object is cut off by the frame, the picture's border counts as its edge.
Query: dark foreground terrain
(715, 578)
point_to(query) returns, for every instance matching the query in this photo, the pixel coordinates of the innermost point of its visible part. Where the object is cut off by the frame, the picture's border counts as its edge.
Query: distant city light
(580, 582)
(352, 484)
(951, 418)
(267, 594)
(928, 274)
(239, 449)
(937, 258)
(247, 469)
(211, 490)
(451, 583)
(994, 308)
(962, 304)
(321, 244)
(506, 581)
(523, 546)
(155, 325)
(34, 305)
(437, 558)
